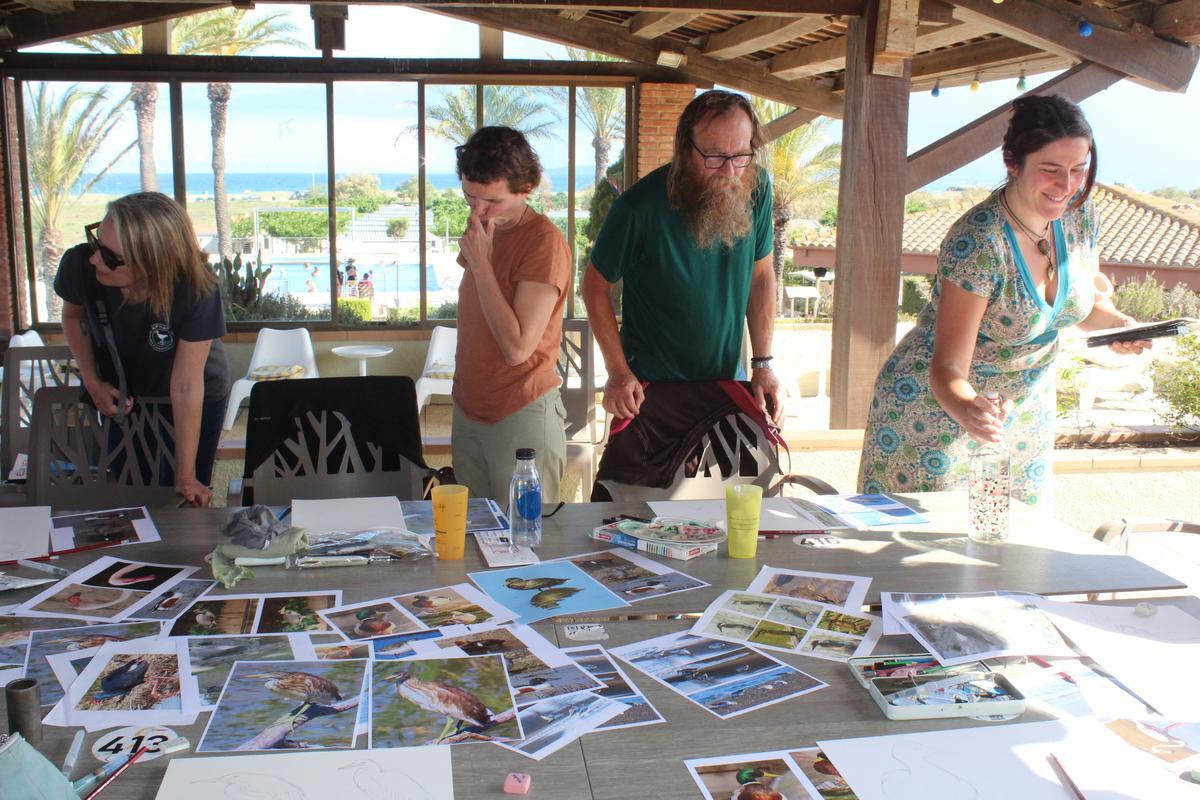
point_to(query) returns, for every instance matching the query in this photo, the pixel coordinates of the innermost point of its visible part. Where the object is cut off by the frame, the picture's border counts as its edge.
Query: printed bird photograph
(133, 575)
(135, 682)
(49, 642)
(442, 701)
(445, 606)
(89, 601)
(217, 617)
(632, 581)
(545, 590)
(766, 779)
(175, 600)
(260, 694)
(294, 614)
(212, 658)
(824, 590)
(370, 621)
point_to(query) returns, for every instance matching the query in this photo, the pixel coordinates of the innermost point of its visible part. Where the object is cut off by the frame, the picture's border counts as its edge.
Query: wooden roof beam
(979, 56)
(986, 133)
(31, 28)
(607, 38)
(1147, 58)
(761, 33)
(1180, 19)
(812, 60)
(895, 36)
(50, 6)
(573, 13)
(758, 8)
(929, 38)
(787, 123)
(652, 24)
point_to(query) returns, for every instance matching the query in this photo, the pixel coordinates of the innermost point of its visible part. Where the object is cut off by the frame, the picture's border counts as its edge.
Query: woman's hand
(105, 396)
(195, 493)
(984, 419)
(1131, 348)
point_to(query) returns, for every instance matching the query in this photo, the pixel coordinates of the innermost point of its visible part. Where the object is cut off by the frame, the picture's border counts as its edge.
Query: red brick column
(659, 107)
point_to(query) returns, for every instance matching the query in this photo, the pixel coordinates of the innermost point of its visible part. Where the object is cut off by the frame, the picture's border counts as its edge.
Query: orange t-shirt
(485, 388)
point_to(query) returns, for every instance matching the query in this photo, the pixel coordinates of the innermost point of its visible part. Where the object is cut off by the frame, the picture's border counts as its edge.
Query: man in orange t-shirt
(510, 302)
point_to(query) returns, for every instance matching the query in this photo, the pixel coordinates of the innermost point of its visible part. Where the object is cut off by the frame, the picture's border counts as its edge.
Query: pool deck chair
(277, 354)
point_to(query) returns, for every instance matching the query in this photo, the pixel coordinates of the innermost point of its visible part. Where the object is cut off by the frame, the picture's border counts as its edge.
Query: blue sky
(280, 128)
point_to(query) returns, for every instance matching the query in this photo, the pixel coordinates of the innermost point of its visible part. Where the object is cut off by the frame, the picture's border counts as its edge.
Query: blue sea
(238, 183)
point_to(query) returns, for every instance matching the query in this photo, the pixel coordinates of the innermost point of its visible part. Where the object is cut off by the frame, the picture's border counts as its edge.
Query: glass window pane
(449, 121)
(257, 195)
(86, 144)
(600, 156)
(375, 143)
(389, 32)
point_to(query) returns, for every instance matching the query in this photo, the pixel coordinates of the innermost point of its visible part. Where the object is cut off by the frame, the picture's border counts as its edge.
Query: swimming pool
(291, 274)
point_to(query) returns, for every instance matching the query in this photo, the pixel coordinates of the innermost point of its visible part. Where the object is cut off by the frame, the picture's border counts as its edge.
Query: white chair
(29, 338)
(437, 376)
(280, 348)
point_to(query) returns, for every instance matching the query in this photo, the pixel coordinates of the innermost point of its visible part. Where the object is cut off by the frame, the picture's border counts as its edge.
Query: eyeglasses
(739, 161)
(110, 259)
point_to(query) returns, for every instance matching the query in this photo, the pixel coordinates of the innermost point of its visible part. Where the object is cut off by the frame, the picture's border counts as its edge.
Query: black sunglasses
(110, 259)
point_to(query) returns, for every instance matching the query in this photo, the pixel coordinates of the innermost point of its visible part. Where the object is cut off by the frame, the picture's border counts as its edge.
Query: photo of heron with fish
(442, 701)
(272, 705)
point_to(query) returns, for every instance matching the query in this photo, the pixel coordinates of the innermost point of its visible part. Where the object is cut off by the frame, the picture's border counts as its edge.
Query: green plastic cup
(743, 502)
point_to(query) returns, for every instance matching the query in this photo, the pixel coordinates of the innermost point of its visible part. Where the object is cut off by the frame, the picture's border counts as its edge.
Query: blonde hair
(158, 243)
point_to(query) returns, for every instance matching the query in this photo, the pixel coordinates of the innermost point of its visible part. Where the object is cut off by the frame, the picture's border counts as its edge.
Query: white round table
(362, 352)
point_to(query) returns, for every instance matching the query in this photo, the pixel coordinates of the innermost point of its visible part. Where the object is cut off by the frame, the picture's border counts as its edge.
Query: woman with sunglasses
(142, 273)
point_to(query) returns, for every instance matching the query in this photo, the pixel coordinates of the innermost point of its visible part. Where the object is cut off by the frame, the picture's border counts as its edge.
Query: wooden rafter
(777, 8)
(1146, 58)
(895, 36)
(573, 13)
(993, 52)
(759, 34)
(31, 28)
(985, 134)
(606, 38)
(1180, 19)
(946, 35)
(1041, 64)
(811, 60)
(787, 123)
(51, 6)
(652, 24)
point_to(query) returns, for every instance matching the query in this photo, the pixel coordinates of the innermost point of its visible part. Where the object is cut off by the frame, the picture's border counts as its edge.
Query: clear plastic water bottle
(989, 488)
(525, 502)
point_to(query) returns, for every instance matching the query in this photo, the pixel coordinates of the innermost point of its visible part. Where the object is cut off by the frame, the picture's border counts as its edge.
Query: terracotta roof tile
(1132, 231)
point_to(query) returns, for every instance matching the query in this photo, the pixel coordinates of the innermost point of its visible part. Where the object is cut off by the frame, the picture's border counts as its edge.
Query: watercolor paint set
(918, 686)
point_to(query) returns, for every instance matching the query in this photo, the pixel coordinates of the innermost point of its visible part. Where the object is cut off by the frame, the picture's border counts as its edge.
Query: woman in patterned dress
(1012, 272)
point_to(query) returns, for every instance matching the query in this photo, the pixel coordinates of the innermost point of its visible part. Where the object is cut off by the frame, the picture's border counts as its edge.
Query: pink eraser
(517, 783)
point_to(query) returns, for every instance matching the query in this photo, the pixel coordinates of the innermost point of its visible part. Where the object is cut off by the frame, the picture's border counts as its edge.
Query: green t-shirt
(683, 307)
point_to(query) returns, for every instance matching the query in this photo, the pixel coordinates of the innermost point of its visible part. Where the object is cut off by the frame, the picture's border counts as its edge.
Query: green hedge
(354, 311)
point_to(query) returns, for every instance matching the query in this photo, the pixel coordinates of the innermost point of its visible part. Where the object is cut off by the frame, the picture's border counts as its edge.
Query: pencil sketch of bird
(460, 707)
(552, 598)
(307, 688)
(430, 600)
(123, 679)
(256, 786)
(531, 584)
(373, 623)
(377, 784)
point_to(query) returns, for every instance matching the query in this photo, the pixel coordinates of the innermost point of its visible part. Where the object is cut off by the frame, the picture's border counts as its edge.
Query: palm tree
(602, 110)
(511, 106)
(63, 135)
(144, 96)
(804, 173)
(227, 32)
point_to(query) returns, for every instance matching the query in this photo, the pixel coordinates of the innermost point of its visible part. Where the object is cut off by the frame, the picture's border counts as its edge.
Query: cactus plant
(242, 286)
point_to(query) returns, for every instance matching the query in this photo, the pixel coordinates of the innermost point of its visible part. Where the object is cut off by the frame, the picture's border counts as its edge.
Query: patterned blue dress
(911, 444)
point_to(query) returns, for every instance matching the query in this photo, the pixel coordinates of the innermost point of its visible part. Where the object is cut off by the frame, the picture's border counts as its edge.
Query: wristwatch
(760, 362)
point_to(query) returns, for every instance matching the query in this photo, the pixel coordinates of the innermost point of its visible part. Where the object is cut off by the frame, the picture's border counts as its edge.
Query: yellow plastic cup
(450, 520)
(743, 502)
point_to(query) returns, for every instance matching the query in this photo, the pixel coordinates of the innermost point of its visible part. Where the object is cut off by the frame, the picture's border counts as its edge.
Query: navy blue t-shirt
(145, 341)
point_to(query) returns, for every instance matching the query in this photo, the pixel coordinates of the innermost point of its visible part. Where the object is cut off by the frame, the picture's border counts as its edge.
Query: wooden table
(1042, 557)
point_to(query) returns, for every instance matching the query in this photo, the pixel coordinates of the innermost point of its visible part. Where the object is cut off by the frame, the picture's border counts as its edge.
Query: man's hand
(105, 396)
(766, 385)
(195, 493)
(623, 395)
(476, 244)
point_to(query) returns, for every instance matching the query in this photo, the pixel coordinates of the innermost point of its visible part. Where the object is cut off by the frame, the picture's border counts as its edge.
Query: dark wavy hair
(1037, 121)
(494, 153)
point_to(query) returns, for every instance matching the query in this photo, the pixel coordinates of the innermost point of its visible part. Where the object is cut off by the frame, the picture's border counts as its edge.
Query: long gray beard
(717, 211)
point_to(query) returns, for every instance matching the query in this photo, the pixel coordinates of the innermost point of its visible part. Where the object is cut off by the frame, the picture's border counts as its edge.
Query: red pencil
(120, 769)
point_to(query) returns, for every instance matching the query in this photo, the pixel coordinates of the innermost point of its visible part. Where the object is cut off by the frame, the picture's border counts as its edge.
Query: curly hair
(1039, 120)
(494, 153)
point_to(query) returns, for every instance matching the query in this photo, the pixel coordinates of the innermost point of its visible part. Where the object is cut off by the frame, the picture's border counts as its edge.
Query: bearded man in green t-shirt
(692, 241)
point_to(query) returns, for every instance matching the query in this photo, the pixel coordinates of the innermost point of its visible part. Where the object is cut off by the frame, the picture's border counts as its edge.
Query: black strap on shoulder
(111, 343)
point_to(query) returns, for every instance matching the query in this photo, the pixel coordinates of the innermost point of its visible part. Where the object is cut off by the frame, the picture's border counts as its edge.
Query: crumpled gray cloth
(254, 528)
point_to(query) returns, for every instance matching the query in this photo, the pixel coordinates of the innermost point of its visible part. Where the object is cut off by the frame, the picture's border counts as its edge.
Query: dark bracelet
(763, 362)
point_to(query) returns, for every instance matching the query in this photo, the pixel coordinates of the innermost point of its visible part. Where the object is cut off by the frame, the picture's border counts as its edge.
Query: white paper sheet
(843, 591)
(890, 601)
(569, 718)
(494, 545)
(107, 590)
(1104, 770)
(866, 511)
(347, 514)
(25, 532)
(800, 627)
(165, 695)
(1132, 650)
(723, 678)
(414, 773)
(617, 686)
(777, 514)
(998, 762)
(107, 528)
